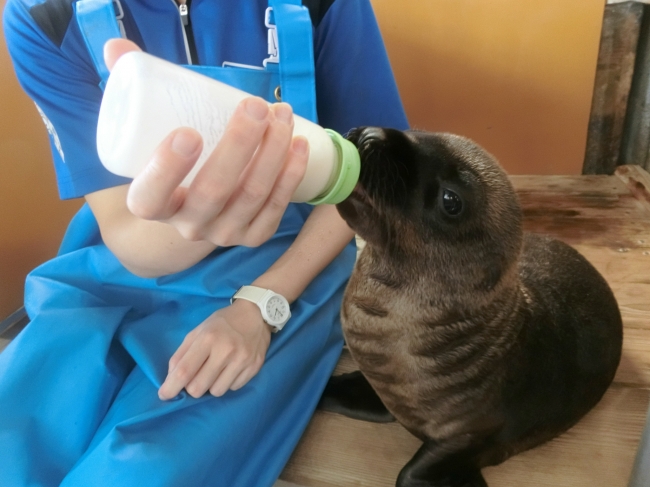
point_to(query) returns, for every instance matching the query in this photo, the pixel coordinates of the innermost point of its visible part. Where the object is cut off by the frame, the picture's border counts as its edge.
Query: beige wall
(515, 75)
(32, 219)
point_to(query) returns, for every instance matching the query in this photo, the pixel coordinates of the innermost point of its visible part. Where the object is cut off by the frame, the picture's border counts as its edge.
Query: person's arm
(150, 248)
(321, 239)
(229, 348)
(130, 238)
(155, 227)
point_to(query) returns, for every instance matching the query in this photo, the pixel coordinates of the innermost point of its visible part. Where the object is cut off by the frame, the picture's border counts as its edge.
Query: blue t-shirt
(354, 82)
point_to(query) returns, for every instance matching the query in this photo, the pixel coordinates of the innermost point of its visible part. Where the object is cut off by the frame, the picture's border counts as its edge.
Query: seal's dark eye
(452, 204)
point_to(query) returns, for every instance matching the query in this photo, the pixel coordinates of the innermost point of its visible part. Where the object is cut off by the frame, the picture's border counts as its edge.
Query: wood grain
(617, 53)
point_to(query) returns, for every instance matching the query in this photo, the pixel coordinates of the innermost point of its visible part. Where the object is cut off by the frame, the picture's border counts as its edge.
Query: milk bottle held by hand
(146, 98)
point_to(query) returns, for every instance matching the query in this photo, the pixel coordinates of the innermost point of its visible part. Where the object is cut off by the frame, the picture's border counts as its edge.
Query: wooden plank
(637, 182)
(600, 185)
(610, 197)
(595, 210)
(594, 193)
(616, 57)
(587, 210)
(598, 452)
(336, 451)
(551, 207)
(631, 266)
(634, 369)
(636, 136)
(614, 234)
(634, 303)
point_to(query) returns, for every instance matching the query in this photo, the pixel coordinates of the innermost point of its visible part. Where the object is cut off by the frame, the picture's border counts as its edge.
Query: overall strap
(96, 19)
(98, 24)
(296, 52)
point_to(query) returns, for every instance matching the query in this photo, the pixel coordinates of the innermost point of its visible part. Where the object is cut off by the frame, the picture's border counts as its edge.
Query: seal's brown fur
(480, 340)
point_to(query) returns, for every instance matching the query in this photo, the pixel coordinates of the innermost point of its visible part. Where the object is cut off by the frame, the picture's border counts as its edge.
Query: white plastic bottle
(146, 98)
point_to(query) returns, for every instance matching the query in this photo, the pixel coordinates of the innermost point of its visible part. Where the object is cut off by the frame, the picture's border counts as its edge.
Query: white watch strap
(250, 293)
(258, 296)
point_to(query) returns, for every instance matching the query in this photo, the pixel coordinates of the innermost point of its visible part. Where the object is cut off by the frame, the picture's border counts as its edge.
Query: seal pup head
(436, 206)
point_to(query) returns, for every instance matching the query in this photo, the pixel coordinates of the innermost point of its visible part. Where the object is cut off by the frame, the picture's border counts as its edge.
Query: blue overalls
(78, 387)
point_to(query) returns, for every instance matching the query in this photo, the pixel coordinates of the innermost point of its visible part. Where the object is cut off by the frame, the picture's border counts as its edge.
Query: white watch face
(277, 310)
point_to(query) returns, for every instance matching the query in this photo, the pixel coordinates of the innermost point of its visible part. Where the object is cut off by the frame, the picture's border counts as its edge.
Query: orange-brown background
(515, 75)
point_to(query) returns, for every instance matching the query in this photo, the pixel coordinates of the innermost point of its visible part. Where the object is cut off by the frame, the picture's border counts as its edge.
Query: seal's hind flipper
(442, 464)
(352, 395)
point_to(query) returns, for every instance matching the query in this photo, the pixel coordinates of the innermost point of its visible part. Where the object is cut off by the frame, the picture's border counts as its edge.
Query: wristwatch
(274, 307)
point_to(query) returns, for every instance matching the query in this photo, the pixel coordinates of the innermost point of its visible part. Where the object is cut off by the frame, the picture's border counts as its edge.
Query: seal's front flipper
(459, 479)
(442, 464)
(464, 479)
(352, 395)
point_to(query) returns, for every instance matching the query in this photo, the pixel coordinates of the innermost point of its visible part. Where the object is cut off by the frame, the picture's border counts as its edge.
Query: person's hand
(223, 353)
(240, 194)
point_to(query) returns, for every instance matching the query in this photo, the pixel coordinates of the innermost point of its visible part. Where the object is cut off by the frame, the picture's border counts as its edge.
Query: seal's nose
(370, 136)
(364, 136)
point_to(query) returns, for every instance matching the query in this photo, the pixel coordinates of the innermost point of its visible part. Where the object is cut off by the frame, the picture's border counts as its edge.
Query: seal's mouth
(381, 185)
(360, 194)
(357, 207)
(380, 196)
(363, 138)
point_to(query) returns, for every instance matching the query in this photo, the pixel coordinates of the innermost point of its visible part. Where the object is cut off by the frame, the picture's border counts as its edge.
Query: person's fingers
(155, 193)
(268, 218)
(182, 349)
(227, 377)
(258, 178)
(219, 176)
(185, 370)
(115, 48)
(246, 375)
(207, 375)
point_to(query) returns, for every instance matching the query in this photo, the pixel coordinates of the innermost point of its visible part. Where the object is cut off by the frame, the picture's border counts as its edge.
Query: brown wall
(32, 218)
(515, 75)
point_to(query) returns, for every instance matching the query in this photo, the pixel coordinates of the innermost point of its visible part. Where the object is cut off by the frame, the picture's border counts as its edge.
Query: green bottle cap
(350, 166)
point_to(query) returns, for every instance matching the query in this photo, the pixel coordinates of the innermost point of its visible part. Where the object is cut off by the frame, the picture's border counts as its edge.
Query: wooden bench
(607, 218)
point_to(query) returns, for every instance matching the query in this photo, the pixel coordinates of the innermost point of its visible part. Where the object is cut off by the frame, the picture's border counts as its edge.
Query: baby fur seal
(481, 340)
